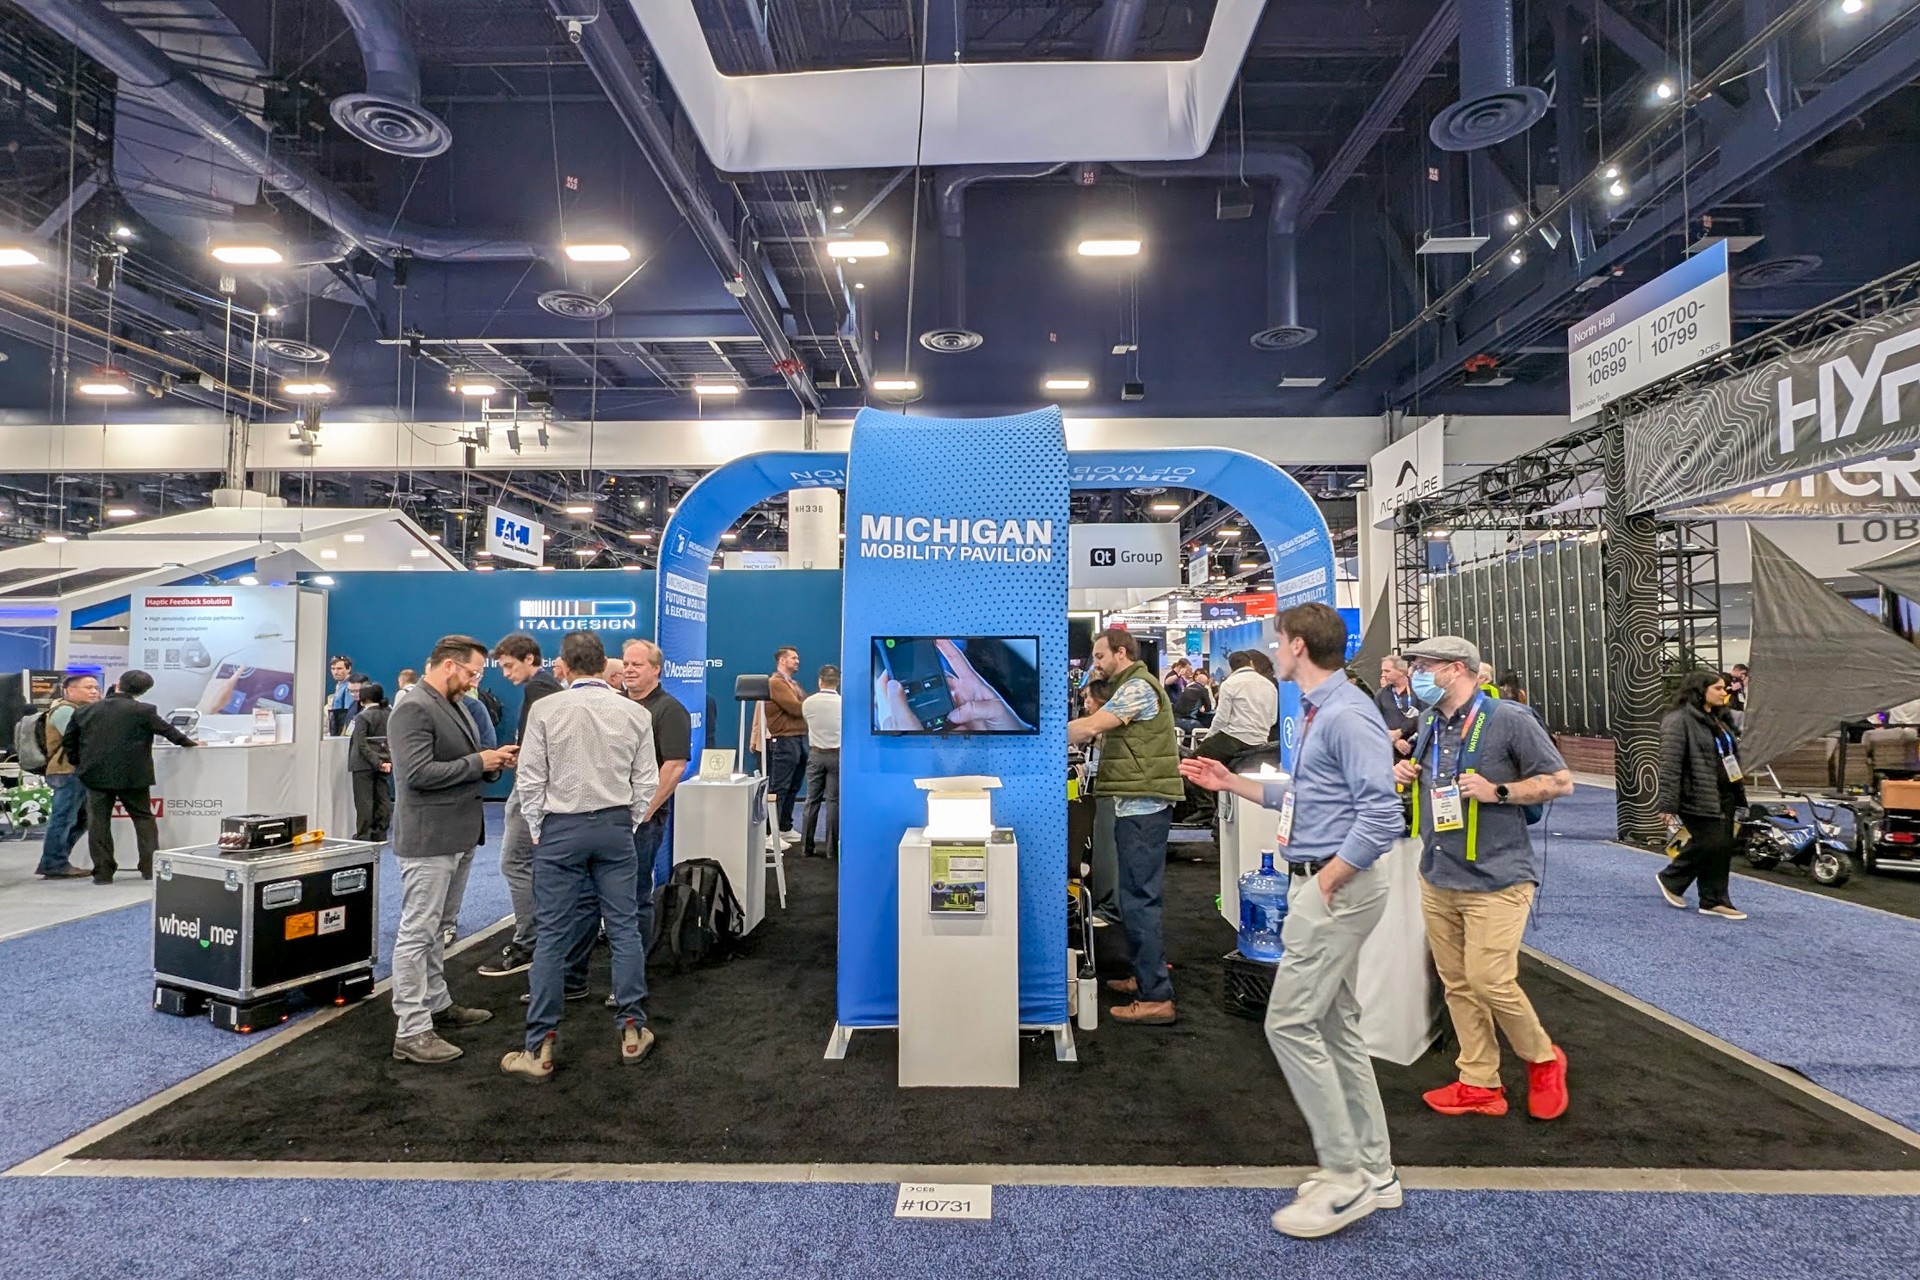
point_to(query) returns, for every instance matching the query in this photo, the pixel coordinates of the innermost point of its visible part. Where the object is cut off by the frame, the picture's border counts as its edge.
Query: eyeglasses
(1430, 664)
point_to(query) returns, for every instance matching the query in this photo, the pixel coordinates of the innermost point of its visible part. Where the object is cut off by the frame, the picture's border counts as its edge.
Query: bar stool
(776, 850)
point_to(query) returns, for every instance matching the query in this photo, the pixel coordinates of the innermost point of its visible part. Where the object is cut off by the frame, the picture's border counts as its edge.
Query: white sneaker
(1324, 1206)
(1385, 1187)
(789, 838)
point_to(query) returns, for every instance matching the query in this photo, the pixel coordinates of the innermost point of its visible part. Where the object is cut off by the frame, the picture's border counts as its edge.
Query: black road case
(239, 932)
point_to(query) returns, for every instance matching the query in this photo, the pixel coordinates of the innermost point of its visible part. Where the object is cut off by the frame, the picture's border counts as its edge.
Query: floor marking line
(1848, 1107)
(1533, 1179)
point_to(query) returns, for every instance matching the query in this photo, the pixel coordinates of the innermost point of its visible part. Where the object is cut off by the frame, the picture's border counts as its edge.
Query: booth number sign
(943, 1200)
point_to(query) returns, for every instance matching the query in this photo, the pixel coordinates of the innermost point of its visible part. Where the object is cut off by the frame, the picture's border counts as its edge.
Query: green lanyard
(1469, 757)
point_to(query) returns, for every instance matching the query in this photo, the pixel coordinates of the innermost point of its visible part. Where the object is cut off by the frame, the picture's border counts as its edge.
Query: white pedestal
(959, 976)
(1244, 830)
(727, 821)
(1399, 992)
(333, 810)
(195, 787)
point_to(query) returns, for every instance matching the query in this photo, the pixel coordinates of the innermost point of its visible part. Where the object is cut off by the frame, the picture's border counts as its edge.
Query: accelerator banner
(687, 549)
(956, 530)
(1654, 332)
(1830, 404)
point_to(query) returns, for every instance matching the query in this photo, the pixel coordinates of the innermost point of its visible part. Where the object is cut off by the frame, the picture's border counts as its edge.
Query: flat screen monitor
(956, 684)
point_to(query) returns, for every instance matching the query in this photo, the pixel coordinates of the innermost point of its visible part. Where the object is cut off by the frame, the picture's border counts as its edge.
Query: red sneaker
(1459, 1099)
(1547, 1087)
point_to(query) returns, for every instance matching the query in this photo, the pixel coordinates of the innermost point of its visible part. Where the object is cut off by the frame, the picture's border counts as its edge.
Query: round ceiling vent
(571, 304)
(1483, 121)
(389, 125)
(294, 349)
(950, 341)
(1284, 337)
(1771, 271)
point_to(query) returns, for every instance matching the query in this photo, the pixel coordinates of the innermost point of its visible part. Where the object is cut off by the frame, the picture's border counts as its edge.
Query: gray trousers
(427, 885)
(1313, 1021)
(516, 864)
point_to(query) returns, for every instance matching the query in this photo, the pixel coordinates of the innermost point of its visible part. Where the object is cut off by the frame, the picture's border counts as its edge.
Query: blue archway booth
(1011, 474)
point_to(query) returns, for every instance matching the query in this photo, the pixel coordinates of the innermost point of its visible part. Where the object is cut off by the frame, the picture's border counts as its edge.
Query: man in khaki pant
(1477, 763)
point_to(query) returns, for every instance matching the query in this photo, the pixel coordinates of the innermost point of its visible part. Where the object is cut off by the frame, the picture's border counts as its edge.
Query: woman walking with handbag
(1701, 784)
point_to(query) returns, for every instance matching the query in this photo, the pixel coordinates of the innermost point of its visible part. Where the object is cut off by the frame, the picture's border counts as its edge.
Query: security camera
(574, 29)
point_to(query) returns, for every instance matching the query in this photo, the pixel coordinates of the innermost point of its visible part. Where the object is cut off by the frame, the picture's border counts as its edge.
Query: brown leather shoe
(68, 872)
(1146, 1013)
(1123, 986)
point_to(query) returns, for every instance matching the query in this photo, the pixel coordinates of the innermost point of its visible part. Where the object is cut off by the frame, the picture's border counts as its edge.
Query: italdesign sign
(577, 615)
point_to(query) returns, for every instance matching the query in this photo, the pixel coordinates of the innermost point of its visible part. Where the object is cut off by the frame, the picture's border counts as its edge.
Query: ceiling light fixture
(641, 536)
(1117, 247)
(121, 513)
(544, 568)
(483, 568)
(105, 383)
(1517, 257)
(1663, 90)
(483, 552)
(716, 388)
(1066, 383)
(896, 385)
(838, 209)
(1616, 189)
(14, 255)
(853, 250)
(480, 390)
(248, 255)
(581, 506)
(270, 312)
(1513, 217)
(123, 232)
(1851, 7)
(247, 580)
(1165, 508)
(55, 538)
(606, 252)
(329, 554)
(418, 553)
(307, 390)
(321, 580)
(353, 537)
(586, 553)
(1229, 533)
(859, 284)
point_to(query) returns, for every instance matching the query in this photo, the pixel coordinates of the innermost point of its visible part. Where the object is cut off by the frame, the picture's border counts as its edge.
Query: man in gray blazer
(439, 771)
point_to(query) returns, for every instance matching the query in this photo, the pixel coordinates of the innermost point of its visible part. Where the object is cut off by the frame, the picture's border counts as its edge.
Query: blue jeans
(584, 866)
(1140, 847)
(65, 824)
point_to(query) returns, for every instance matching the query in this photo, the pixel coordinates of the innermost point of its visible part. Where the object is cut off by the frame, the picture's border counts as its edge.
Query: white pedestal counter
(727, 821)
(195, 787)
(959, 974)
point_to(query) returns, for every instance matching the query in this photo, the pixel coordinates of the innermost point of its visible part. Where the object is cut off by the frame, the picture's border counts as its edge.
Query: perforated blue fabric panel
(1000, 468)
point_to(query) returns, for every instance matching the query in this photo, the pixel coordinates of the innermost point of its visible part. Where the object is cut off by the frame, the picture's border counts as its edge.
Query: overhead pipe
(607, 56)
(95, 30)
(388, 115)
(1290, 173)
(1491, 108)
(950, 187)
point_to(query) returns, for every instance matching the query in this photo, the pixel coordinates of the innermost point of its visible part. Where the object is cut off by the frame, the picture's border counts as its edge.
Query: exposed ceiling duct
(951, 335)
(1491, 107)
(947, 113)
(150, 76)
(1290, 173)
(388, 115)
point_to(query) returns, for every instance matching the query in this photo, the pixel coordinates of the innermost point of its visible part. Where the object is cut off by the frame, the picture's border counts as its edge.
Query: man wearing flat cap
(1480, 772)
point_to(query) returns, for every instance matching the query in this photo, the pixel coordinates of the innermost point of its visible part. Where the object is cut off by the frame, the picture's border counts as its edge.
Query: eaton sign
(514, 537)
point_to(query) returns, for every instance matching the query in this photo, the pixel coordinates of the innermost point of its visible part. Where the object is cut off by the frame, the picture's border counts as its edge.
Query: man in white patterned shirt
(586, 778)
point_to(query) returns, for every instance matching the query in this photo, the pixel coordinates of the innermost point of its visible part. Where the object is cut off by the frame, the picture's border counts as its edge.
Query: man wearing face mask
(1478, 764)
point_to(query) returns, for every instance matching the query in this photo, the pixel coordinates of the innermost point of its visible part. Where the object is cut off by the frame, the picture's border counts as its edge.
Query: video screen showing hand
(937, 685)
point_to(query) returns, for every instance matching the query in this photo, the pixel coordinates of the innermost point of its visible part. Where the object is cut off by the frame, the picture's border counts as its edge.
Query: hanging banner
(1830, 404)
(1877, 486)
(1654, 332)
(1410, 468)
(1125, 555)
(511, 536)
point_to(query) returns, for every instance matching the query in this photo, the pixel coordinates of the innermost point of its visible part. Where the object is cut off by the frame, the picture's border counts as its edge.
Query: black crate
(1247, 984)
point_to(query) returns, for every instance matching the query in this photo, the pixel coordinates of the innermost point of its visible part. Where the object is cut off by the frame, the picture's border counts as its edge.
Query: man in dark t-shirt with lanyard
(672, 744)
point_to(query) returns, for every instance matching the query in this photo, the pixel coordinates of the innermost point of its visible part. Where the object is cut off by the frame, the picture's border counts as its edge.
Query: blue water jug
(1263, 908)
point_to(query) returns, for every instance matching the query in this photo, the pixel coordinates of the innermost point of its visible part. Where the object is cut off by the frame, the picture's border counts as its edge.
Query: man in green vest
(1140, 771)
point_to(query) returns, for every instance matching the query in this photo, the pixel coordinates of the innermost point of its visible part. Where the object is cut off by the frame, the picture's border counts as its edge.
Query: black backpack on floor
(696, 916)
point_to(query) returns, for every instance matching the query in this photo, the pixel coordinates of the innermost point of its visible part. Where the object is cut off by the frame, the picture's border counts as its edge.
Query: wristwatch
(1500, 793)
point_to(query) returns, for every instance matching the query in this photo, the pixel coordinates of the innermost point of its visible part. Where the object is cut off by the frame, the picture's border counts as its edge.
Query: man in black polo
(672, 745)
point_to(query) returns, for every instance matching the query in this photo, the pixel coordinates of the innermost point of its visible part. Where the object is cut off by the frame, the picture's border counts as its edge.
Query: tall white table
(959, 974)
(727, 821)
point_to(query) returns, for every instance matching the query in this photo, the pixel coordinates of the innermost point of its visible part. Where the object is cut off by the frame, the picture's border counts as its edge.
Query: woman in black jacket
(1700, 786)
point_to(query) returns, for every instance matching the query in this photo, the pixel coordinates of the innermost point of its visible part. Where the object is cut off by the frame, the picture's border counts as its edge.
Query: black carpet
(739, 1076)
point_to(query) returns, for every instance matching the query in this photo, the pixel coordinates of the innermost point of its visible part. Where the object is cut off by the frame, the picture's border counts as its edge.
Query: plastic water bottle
(1263, 908)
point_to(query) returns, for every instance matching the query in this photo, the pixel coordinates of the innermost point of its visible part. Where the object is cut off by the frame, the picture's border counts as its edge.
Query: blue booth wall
(26, 648)
(387, 621)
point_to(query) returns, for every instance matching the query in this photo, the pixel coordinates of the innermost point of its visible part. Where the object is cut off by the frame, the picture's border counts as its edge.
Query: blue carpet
(1808, 982)
(114, 1227)
(83, 1040)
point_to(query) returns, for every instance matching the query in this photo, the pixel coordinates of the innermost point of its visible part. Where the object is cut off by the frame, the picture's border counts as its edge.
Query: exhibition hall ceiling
(510, 196)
